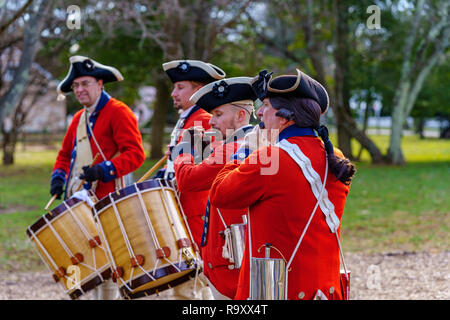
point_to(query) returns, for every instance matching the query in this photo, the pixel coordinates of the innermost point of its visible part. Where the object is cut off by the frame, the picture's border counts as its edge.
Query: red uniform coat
(193, 202)
(116, 132)
(200, 177)
(280, 206)
(198, 118)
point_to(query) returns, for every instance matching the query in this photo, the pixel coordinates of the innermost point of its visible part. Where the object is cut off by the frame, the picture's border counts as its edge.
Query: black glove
(92, 174)
(159, 174)
(56, 187)
(193, 135)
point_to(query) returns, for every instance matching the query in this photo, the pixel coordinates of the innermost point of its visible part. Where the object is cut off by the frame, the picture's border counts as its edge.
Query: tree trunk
(395, 153)
(342, 89)
(413, 74)
(344, 138)
(350, 126)
(420, 126)
(8, 147)
(365, 120)
(158, 122)
(173, 26)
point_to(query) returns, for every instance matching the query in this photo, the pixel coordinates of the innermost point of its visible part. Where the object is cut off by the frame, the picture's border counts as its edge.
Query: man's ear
(241, 115)
(285, 122)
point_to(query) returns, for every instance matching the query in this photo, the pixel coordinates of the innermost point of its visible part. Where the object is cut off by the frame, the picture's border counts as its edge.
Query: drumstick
(153, 169)
(55, 195)
(90, 166)
(50, 203)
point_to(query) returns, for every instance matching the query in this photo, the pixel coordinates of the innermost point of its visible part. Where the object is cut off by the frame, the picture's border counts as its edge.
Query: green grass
(398, 208)
(389, 208)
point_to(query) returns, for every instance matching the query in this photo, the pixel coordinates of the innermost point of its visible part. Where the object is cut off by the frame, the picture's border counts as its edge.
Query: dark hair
(196, 83)
(342, 168)
(306, 114)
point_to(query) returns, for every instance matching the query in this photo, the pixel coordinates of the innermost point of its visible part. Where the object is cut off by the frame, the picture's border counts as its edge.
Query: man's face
(87, 90)
(224, 117)
(267, 115)
(182, 91)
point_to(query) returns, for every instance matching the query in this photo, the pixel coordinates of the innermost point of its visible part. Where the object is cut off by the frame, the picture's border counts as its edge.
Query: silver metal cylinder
(268, 278)
(238, 241)
(108, 290)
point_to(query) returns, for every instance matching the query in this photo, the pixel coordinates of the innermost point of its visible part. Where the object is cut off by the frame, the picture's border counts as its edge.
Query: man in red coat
(187, 77)
(295, 207)
(230, 101)
(105, 126)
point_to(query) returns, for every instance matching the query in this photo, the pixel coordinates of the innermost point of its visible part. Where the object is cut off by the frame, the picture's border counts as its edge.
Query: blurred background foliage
(401, 63)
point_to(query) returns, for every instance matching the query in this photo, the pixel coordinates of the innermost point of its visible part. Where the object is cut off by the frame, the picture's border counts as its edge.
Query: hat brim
(223, 92)
(80, 66)
(192, 70)
(301, 85)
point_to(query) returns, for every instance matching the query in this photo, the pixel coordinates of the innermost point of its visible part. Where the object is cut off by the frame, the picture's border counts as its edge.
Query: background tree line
(404, 63)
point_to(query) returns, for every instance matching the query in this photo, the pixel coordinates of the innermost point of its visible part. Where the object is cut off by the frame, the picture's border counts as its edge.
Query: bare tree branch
(19, 13)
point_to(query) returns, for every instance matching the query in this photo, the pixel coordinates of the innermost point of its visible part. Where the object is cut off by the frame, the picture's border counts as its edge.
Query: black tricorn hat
(217, 93)
(83, 66)
(300, 85)
(193, 70)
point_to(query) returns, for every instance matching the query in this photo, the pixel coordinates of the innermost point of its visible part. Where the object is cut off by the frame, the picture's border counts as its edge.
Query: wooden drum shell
(59, 232)
(121, 216)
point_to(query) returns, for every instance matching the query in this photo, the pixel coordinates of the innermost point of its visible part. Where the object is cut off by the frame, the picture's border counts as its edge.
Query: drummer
(104, 126)
(230, 101)
(187, 77)
(281, 202)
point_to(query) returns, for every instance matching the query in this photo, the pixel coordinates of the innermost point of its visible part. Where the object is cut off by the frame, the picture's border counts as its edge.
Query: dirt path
(389, 276)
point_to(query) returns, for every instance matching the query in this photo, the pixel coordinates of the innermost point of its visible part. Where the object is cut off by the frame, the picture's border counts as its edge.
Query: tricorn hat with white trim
(231, 90)
(83, 66)
(192, 70)
(300, 85)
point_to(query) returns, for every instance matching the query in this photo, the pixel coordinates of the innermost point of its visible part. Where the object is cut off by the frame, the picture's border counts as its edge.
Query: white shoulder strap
(315, 182)
(83, 156)
(175, 135)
